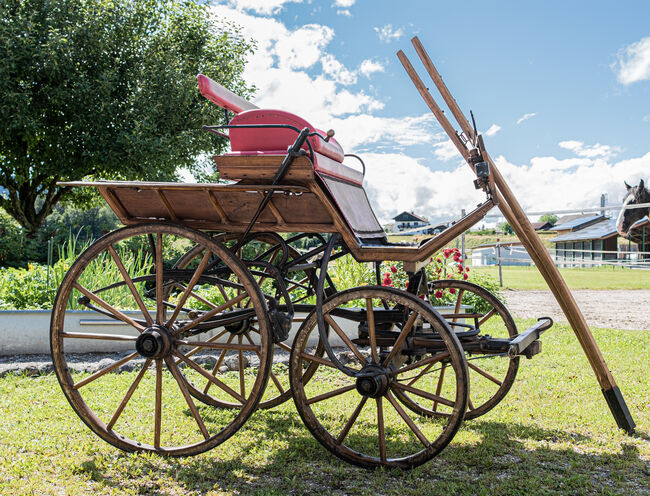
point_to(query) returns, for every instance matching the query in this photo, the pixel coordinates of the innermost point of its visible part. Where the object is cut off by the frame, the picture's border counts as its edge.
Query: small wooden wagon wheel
(153, 410)
(260, 250)
(475, 312)
(359, 419)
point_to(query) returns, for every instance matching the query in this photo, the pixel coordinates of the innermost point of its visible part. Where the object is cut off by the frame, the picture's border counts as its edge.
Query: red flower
(421, 297)
(393, 269)
(439, 260)
(438, 294)
(466, 269)
(465, 276)
(456, 258)
(387, 280)
(452, 290)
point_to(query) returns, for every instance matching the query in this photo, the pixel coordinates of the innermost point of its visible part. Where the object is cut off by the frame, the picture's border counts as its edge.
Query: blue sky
(561, 90)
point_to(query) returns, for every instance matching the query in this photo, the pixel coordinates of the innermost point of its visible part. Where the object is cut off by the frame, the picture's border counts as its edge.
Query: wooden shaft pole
(520, 223)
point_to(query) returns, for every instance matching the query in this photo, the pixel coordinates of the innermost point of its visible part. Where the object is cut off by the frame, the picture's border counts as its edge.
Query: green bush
(29, 288)
(18, 250)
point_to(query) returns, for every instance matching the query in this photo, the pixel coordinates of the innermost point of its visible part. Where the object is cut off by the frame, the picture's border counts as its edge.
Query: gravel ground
(609, 309)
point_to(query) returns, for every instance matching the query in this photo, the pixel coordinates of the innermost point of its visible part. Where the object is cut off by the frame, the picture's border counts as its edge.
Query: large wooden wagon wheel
(140, 399)
(474, 312)
(259, 252)
(359, 419)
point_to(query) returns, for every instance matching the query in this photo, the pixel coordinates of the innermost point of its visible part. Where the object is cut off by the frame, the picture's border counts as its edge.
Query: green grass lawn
(591, 278)
(553, 434)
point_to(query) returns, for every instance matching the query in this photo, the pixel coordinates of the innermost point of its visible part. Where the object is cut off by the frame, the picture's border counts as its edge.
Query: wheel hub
(373, 381)
(154, 342)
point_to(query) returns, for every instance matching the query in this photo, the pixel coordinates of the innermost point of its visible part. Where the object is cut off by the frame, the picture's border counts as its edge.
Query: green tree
(505, 228)
(106, 89)
(550, 218)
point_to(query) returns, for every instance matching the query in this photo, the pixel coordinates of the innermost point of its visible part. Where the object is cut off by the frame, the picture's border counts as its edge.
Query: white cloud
(494, 129)
(357, 131)
(646, 118)
(304, 47)
(388, 34)
(525, 117)
(278, 69)
(593, 151)
(343, 3)
(396, 182)
(267, 7)
(368, 66)
(551, 184)
(344, 12)
(337, 71)
(445, 151)
(633, 62)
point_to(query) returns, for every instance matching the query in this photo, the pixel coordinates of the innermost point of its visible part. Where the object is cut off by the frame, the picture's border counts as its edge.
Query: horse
(627, 217)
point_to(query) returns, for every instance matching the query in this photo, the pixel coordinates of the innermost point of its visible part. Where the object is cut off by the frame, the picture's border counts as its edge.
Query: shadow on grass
(275, 454)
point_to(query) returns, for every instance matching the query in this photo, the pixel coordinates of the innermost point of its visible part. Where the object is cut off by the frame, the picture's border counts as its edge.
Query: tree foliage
(105, 89)
(550, 218)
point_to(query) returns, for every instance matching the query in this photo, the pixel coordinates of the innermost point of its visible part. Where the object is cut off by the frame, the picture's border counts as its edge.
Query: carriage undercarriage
(380, 376)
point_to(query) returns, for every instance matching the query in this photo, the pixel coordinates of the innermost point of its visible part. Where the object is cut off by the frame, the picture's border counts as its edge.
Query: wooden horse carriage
(380, 376)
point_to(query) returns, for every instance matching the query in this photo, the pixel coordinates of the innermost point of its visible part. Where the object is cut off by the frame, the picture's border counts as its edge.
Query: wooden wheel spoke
(221, 346)
(114, 311)
(127, 396)
(180, 380)
(105, 370)
(192, 364)
(422, 363)
(401, 338)
(351, 420)
(196, 349)
(283, 346)
(439, 385)
(418, 433)
(242, 378)
(213, 312)
(370, 316)
(158, 405)
(190, 285)
(330, 394)
(160, 309)
(345, 339)
(484, 373)
(424, 394)
(195, 295)
(469, 403)
(380, 429)
(129, 283)
(487, 317)
(273, 377)
(90, 335)
(217, 365)
(314, 358)
(423, 372)
(458, 303)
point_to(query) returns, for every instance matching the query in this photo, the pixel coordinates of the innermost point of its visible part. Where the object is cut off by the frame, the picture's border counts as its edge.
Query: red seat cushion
(252, 140)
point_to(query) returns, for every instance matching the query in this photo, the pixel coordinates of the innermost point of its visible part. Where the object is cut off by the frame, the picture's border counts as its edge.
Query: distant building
(408, 221)
(584, 238)
(542, 226)
(511, 253)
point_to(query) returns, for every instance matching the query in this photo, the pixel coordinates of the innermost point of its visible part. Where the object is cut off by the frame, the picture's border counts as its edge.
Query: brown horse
(627, 217)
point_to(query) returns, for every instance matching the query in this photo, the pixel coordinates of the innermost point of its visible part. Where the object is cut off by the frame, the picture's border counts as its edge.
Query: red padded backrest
(223, 97)
(265, 139)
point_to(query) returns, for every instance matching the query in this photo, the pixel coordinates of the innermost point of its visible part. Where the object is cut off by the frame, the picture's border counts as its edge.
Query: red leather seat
(277, 139)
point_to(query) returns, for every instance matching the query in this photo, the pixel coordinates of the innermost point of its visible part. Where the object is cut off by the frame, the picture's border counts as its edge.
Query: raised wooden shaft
(519, 222)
